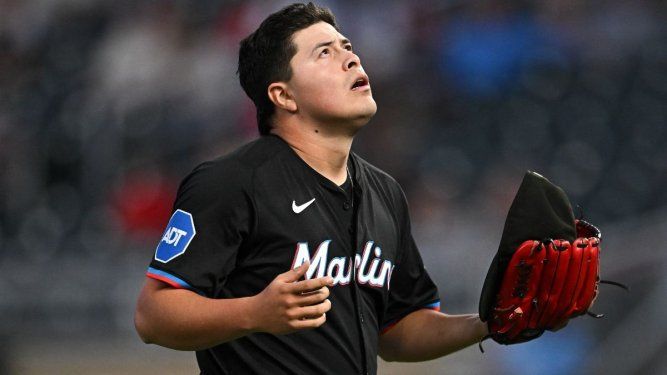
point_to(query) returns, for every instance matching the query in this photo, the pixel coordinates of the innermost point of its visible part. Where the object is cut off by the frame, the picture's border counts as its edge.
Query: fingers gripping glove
(546, 270)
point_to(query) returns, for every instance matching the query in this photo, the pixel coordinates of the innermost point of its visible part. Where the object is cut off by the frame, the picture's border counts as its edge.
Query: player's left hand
(546, 270)
(545, 284)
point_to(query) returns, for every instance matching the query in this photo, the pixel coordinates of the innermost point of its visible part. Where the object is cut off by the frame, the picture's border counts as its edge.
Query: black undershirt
(347, 188)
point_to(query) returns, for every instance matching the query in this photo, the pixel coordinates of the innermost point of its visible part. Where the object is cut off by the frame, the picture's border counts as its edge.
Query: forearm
(426, 334)
(180, 319)
(183, 320)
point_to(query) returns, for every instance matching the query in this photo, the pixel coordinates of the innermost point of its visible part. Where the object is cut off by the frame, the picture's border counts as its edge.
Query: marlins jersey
(241, 220)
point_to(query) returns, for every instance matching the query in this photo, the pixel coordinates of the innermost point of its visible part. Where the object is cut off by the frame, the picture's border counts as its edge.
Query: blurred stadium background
(106, 105)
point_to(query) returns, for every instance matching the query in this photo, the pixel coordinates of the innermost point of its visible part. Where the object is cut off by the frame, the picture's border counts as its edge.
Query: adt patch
(180, 231)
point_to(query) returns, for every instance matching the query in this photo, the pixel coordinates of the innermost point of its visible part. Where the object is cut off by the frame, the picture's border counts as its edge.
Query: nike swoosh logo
(300, 208)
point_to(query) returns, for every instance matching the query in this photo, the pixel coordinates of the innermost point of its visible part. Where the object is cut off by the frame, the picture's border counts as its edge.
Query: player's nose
(352, 61)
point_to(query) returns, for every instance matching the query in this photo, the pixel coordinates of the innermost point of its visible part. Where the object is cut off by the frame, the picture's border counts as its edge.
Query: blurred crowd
(105, 106)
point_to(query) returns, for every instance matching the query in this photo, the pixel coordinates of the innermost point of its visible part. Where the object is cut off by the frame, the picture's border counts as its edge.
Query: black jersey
(241, 220)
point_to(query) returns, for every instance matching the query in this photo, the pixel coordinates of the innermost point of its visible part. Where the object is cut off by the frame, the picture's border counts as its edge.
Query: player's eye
(348, 47)
(324, 52)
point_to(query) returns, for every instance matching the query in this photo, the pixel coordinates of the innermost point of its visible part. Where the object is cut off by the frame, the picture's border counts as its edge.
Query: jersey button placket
(347, 206)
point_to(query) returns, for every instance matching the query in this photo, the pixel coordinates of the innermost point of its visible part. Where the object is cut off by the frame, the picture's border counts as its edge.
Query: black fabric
(540, 210)
(411, 281)
(248, 232)
(223, 218)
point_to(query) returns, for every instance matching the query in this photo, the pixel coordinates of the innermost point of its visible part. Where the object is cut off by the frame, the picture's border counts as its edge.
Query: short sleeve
(210, 221)
(411, 287)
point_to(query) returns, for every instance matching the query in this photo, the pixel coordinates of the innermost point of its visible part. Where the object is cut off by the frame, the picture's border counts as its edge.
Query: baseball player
(293, 254)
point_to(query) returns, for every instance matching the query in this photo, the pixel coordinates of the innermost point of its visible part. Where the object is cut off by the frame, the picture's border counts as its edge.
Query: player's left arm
(427, 334)
(410, 333)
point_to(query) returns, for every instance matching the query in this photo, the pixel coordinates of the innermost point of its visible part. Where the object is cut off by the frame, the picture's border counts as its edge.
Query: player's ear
(281, 97)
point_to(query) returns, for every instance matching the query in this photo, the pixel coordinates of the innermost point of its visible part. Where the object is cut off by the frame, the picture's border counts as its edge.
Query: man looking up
(292, 254)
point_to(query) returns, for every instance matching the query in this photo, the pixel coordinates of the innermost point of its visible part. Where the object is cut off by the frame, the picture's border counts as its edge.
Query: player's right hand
(287, 304)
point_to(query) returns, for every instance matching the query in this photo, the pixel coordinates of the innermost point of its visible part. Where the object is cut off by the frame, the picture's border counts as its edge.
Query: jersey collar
(352, 163)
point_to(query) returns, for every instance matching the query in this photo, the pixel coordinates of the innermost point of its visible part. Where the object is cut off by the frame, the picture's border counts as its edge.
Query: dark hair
(264, 56)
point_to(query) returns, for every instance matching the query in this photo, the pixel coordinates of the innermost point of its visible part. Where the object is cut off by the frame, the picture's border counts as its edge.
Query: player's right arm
(179, 306)
(184, 320)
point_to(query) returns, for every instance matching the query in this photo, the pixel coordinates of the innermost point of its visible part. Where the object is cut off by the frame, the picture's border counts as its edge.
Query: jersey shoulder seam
(376, 171)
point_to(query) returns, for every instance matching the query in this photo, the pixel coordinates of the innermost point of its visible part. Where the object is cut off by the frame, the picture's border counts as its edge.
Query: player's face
(328, 83)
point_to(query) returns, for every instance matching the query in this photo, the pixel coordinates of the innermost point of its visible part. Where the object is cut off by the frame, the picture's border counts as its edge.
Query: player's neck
(325, 152)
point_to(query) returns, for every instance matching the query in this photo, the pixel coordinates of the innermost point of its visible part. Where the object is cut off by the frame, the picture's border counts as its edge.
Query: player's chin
(366, 109)
(363, 116)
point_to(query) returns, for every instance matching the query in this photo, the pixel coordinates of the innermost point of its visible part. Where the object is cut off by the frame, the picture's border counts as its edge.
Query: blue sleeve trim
(431, 306)
(170, 279)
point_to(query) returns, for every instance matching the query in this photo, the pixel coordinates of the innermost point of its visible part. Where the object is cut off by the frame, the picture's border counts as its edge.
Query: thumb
(296, 273)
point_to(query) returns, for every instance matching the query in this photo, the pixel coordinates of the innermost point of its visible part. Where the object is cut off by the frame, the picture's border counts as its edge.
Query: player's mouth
(361, 83)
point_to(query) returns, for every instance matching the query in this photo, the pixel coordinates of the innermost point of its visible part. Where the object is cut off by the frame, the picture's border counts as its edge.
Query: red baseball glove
(546, 270)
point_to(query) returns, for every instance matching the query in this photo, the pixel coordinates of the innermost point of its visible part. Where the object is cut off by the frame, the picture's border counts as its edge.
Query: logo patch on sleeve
(175, 240)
